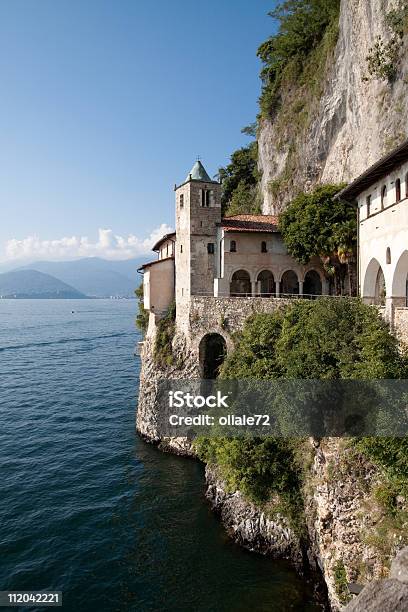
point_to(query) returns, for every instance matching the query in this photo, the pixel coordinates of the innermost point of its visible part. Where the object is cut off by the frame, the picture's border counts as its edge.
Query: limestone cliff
(331, 130)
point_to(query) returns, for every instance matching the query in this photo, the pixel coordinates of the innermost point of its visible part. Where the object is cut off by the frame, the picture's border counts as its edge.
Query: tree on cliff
(239, 182)
(318, 225)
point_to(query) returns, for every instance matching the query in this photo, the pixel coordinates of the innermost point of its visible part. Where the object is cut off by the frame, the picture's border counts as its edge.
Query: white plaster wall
(383, 229)
(167, 249)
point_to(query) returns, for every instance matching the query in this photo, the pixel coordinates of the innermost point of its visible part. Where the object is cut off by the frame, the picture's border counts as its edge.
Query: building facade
(381, 195)
(209, 256)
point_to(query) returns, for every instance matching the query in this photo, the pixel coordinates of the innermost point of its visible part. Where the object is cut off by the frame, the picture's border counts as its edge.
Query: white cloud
(108, 246)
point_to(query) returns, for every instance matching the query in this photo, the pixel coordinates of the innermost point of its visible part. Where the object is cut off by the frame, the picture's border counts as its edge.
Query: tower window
(181, 200)
(384, 196)
(181, 248)
(263, 247)
(368, 202)
(210, 248)
(388, 256)
(205, 198)
(398, 190)
(233, 246)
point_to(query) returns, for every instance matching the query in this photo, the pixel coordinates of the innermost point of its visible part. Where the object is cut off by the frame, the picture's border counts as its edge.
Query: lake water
(89, 509)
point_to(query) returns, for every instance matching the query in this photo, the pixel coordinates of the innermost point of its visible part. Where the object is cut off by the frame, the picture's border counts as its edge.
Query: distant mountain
(34, 284)
(94, 276)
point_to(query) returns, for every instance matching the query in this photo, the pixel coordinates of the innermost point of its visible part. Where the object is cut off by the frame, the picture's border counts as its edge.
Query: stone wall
(401, 324)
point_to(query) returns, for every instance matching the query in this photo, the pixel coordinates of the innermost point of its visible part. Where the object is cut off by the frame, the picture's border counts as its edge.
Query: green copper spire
(198, 173)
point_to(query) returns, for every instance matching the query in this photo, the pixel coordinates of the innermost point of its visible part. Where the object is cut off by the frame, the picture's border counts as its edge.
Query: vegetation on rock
(142, 318)
(239, 182)
(318, 225)
(384, 56)
(302, 26)
(325, 339)
(163, 354)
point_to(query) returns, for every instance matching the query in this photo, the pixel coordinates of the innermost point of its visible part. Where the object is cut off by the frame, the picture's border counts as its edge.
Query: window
(182, 200)
(384, 196)
(388, 256)
(205, 198)
(181, 248)
(210, 248)
(398, 190)
(368, 202)
(263, 247)
(233, 246)
(406, 185)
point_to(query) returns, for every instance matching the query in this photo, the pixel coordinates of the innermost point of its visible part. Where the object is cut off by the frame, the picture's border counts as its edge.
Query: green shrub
(391, 455)
(142, 318)
(323, 339)
(340, 581)
(163, 354)
(326, 338)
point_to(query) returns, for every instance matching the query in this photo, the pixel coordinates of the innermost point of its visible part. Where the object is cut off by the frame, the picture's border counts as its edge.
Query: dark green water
(87, 507)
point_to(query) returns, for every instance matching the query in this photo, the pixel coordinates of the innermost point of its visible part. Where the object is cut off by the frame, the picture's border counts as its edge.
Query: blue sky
(105, 104)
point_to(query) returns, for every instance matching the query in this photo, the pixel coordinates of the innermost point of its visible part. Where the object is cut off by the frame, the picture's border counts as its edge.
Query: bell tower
(198, 211)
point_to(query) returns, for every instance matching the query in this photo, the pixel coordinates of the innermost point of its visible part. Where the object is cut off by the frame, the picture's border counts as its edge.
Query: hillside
(339, 110)
(33, 284)
(94, 276)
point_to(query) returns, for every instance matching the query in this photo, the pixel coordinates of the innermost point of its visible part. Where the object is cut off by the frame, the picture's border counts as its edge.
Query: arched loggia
(312, 284)
(289, 283)
(374, 289)
(240, 283)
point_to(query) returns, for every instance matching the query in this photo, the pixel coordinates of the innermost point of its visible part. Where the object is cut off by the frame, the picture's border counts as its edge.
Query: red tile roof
(250, 223)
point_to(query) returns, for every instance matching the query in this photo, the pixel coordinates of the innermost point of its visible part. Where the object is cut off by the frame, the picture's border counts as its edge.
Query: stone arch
(374, 284)
(240, 283)
(312, 285)
(399, 279)
(212, 353)
(289, 283)
(266, 282)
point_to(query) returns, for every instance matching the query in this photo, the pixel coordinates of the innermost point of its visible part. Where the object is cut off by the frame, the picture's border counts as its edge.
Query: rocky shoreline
(339, 510)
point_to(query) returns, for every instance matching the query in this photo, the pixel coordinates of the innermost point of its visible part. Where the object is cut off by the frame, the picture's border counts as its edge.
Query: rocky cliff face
(342, 523)
(351, 123)
(149, 404)
(391, 594)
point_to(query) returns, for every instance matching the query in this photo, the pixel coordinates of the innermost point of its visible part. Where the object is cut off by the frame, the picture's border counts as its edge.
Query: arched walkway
(399, 280)
(240, 283)
(289, 283)
(374, 289)
(212, 352)
(312, 284)
(266, 286)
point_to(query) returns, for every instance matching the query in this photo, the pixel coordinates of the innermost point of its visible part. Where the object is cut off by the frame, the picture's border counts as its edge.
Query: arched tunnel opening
(213, 350)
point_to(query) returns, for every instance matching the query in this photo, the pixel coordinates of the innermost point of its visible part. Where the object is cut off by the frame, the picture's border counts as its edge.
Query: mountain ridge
(20, 284)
